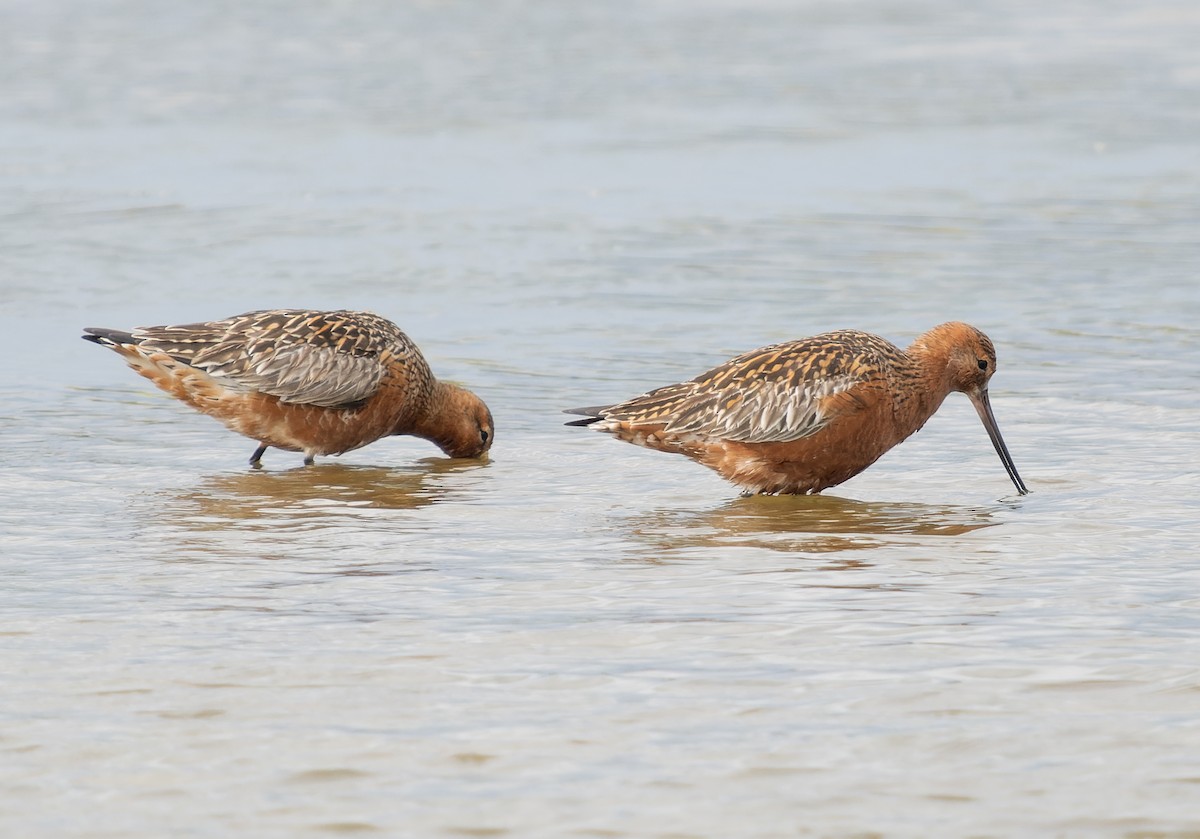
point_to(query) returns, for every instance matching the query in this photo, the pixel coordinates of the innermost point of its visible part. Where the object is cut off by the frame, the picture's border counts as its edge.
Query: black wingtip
(107, 337)
(590, 415)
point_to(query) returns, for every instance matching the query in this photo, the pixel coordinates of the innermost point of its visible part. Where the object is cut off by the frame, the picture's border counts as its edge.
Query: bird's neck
(441, 420)
(929, 382)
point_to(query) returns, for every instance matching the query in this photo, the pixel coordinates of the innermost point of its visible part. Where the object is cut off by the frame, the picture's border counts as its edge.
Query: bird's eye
(983, 364)
(483, 435)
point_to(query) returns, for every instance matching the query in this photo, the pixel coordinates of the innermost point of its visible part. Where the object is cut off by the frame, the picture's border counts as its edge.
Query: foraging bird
(802, 416)
(306, 381)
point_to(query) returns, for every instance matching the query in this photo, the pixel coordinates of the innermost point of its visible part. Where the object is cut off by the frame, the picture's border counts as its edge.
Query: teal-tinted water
(566, 205)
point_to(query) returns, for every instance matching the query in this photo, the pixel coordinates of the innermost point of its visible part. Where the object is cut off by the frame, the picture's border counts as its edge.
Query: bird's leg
(256, 458)
(309, 459)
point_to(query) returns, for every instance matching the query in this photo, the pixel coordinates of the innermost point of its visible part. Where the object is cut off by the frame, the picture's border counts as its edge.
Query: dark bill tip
(983, 406)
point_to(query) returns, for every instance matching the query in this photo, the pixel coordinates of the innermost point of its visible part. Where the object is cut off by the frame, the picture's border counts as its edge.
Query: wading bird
(306, 381)
(802, 416)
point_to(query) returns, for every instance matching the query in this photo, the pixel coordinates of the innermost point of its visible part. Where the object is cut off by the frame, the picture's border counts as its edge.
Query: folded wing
(776, 394)
(328, 359)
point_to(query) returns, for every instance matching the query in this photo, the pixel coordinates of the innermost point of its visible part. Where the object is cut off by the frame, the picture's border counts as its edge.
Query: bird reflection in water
(815, 524)
(264, 498)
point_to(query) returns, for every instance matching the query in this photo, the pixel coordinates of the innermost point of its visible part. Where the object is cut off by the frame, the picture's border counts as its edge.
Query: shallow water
(566, 205)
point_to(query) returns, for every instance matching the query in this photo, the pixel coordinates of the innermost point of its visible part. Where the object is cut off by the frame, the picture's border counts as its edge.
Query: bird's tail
(590, 415)
(108, 337)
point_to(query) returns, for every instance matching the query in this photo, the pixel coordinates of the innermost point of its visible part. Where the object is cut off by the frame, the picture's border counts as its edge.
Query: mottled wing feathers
(303, 374)
(328, 359)
(776, 394)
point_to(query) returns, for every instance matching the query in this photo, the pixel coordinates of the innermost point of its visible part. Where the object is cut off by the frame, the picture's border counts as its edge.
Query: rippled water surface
(566, 204)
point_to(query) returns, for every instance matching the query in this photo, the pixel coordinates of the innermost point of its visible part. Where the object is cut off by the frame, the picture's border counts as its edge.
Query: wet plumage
(801, 416)
(306, 381)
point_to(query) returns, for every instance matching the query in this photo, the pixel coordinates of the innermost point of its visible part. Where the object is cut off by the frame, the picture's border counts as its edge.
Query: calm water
(567, 204)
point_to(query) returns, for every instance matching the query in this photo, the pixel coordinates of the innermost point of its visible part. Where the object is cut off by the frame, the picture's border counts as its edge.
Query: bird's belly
(262, 417)
(307, 428)
(788, 468)
(834, 454)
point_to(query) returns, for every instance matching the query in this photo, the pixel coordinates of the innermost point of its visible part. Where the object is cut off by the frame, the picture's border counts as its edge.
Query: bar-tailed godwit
(306, 381)
(805, 415)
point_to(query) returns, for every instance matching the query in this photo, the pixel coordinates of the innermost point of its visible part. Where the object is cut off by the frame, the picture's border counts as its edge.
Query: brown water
(566, 204)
